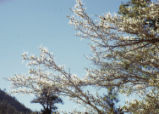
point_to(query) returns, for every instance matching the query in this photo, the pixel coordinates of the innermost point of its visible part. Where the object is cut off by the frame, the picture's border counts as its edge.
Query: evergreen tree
(111, 99)
(48, 100)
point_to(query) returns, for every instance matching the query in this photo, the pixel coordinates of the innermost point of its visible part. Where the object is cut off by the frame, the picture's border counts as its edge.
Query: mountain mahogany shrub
(125, 51)
(44, 72)
(124, 47)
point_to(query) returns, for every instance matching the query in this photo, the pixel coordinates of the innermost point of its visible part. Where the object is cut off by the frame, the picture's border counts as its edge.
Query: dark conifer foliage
(48, 100)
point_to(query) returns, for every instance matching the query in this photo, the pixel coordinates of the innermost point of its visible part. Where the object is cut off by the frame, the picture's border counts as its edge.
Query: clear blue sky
(25, 25)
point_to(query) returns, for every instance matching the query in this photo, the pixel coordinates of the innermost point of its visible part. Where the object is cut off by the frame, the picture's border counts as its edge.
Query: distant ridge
(9, 105)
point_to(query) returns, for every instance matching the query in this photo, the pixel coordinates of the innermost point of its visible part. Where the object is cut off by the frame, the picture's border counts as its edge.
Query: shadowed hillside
(9, 105)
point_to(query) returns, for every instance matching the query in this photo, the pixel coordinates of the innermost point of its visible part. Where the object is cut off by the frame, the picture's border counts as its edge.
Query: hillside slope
(9, 105)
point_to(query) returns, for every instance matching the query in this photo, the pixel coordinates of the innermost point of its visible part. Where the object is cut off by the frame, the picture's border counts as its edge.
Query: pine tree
(48, 100)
